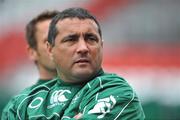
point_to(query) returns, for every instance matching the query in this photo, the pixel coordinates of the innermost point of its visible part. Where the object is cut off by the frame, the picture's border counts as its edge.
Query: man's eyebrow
(70, 36)
(90, 33)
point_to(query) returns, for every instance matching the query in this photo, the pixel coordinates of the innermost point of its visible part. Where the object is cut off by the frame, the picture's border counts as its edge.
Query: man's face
(42, 59)
(78, 49)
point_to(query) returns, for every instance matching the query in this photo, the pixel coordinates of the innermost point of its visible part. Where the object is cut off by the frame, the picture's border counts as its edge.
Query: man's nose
(82, 46)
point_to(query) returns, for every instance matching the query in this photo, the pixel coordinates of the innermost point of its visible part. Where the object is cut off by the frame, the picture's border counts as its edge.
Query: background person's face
(43, 60)
(77, 50)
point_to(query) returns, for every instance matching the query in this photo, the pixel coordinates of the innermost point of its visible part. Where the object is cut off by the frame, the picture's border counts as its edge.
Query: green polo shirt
(24, 92)
(106, 97)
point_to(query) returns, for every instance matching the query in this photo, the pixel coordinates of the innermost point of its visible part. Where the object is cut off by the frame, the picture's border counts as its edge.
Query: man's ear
(32, 53)
(49, 50)
(102, 42)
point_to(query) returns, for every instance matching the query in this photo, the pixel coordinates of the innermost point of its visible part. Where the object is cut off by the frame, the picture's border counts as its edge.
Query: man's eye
(91, 37)
(70, 39)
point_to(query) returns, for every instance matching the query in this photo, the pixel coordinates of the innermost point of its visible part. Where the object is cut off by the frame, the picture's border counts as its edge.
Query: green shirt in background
(106, 97)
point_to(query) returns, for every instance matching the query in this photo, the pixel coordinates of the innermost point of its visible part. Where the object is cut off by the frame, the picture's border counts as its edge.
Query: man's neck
(75, 80)
(47, 75)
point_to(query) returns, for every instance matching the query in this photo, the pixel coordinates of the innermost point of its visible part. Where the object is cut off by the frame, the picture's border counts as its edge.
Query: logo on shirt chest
(59, 97)
(36, 103)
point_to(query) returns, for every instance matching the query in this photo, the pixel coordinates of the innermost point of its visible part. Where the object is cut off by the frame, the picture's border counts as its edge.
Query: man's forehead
(76, 21)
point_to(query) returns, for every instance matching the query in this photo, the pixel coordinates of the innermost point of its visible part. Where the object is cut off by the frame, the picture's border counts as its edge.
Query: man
(82, 90)
(36, 34)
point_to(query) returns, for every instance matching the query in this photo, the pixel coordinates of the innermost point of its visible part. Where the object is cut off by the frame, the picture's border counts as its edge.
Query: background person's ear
(49, 50)
(32, 53)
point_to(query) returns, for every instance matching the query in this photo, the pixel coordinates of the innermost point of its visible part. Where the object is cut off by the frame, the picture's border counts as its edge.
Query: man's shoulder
(110, 83)
(109, 79)
(33, 90)
(37, 87)
(35, 93)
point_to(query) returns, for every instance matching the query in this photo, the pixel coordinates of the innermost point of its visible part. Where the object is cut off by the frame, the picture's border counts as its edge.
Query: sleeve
(9, 112)
(114, 101)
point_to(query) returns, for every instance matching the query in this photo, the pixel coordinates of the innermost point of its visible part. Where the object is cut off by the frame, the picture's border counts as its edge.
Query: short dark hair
(79, 13)
(31, 26)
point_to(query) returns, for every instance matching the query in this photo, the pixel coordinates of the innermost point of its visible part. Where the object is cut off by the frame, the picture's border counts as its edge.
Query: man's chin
(83, 75)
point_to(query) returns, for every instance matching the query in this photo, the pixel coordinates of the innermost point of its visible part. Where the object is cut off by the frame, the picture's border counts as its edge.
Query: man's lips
(82, 60)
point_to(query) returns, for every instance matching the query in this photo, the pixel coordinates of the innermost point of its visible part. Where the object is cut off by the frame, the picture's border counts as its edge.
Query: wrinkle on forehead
(76, 23)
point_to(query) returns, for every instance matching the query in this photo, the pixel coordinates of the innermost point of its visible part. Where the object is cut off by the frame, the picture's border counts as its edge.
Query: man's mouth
(82, 60)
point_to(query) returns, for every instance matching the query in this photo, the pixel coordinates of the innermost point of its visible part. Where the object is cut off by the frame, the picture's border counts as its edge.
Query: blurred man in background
(36, 35)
